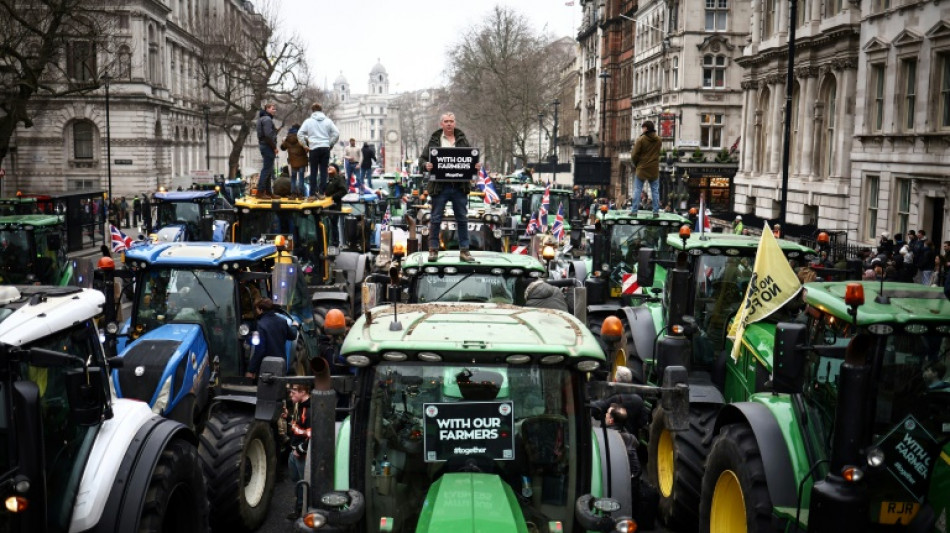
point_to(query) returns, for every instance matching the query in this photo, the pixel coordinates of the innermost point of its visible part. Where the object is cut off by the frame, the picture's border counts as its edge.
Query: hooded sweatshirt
(544, 295)
(318, 131)
(646, 156)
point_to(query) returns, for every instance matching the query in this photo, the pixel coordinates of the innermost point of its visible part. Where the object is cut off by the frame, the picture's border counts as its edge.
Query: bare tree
(502, 73)
(248, 61)
(49, 48)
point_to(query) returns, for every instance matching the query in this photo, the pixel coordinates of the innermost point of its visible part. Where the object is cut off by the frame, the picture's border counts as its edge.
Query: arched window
(84, 140)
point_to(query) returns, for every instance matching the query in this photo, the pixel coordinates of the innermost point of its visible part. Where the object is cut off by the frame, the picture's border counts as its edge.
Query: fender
(642, 330)
(779, 473)
(329, 296)
(121, 463)
(580, 270)
(607, 309)
(620, 488)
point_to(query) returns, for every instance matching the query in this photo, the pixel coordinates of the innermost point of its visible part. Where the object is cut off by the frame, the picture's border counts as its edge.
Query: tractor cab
(189, 216)
(230, 189)
(33, 250)
(19, 205)
(362, 215)
(526, 200)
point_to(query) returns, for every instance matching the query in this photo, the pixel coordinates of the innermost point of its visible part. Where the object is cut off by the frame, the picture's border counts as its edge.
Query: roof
(378, 68)
(253, 202)
(31, 220)
(199, 253)
(59, 307)
(645, 217)
(184, 196)
(909, 302)
(734, 245)
(482, 259)
(472, 330)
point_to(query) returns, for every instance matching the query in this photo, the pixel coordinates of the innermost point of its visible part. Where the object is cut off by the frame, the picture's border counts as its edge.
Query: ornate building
(371, 117)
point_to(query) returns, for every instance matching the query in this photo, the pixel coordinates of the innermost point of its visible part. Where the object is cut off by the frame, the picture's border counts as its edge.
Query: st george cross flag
(120, 241)
(558, 228)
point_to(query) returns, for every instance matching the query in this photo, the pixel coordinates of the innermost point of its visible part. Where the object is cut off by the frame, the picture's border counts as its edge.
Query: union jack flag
(558, 228)
(353, 187)
(533, 225)
(545, 207)
(482, 179)
(120, 241)
(387, 218)
(491, 195)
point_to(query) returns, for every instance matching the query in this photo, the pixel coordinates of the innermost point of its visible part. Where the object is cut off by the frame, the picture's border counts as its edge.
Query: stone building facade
(368, 117)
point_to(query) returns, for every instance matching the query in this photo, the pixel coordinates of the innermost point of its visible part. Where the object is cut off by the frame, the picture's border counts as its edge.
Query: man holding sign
(443, 192)
(773, 284)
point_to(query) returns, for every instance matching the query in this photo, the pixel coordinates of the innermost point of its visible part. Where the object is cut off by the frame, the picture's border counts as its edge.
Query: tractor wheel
(634, 362)
(320, 311)
(175, 501)
(675, 466)
(735, 493)
(239, 457)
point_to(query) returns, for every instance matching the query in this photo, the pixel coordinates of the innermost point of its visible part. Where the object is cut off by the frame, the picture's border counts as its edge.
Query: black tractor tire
(176, 501)
(634, 362)
(239, 456)
(676, 462)
(320, 311)
(735, 491)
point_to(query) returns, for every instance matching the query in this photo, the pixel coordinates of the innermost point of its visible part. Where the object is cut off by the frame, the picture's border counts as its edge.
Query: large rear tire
(676, 462)
(735, 492)
(240, 459)
(175, 501)
(634, 362)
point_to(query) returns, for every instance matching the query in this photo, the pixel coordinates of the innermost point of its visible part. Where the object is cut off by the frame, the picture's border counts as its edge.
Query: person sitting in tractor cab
(934, 377)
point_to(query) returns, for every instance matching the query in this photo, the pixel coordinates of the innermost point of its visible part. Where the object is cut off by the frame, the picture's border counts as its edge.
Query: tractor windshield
(626, 240)
(15, 255)
(720, 283)
(169, 213)
(556, 198)
(518, 425)
(203, 297)
(471, 287)
(66, 445)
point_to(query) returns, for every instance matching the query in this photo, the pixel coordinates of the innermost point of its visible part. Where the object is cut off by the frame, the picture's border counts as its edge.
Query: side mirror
(645, 267)
(86, 393)
(788, 357)
(270, 391)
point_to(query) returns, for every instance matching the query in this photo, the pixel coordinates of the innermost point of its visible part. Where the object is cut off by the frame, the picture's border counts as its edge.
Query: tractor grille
(152, 356)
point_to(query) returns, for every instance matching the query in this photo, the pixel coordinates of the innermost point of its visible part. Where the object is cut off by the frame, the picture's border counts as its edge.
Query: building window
(711, 131)
(872, 193)
(716, 13)
(83, 139)
(909, 98)
(877, 91)
(676, 72)
(714, 72)
(903, 205)
(124, 64)
(832, 7)
(768, 19)
(943, 103)
(81, 60)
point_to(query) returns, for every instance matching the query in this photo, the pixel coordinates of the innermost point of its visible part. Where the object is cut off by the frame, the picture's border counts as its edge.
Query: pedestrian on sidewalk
(136, 210)
(646, 159)
(267, 142)
(298, 414)
(318, 134)
(443, 193)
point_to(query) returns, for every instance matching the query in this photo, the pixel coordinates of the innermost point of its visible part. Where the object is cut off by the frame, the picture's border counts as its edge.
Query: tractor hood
(468, 502)
(156, 356)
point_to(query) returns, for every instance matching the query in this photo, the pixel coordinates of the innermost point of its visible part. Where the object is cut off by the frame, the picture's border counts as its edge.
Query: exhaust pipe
(322, 431)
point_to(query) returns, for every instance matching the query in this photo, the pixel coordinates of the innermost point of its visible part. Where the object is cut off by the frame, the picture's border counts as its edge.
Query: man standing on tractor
(273, 331)
(442, 193)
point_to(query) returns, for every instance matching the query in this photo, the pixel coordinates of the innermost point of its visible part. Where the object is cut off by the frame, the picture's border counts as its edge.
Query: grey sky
(409, 37)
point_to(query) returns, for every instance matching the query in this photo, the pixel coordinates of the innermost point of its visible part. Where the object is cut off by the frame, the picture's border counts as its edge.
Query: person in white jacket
(318, 134)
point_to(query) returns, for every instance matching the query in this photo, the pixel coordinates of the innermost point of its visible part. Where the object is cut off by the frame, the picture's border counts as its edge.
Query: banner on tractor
(469, 428)
(773, 283)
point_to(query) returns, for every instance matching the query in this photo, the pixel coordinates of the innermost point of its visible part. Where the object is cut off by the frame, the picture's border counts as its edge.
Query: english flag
(120, 241)
(629, 285)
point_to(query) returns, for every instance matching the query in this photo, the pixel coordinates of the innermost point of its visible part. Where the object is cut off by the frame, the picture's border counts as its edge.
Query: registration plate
(615, 292)
(891, 512)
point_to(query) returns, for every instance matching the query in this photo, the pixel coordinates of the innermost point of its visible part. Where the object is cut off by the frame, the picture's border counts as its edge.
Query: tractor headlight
(112, 328)
(497, 233)
(163, 396)
(243, 330)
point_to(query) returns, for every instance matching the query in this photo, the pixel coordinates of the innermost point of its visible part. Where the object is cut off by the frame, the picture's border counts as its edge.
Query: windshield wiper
(202, 285)
(454, 285)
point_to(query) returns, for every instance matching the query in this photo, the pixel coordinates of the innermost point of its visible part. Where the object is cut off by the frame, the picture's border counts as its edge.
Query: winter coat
(435, 141)
(296, 154)
(336, 189)
(646, 156)
(318, 131)
(300, 427)
(369, 155)
(266, 132)
(544, 295)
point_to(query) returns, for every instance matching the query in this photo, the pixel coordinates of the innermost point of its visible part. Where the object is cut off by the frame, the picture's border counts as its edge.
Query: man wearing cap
(737, 225)
(646, 158)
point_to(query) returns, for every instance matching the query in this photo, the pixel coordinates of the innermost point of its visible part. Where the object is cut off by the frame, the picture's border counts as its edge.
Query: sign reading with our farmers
(909, 453)
(454, 164)
(469, 428)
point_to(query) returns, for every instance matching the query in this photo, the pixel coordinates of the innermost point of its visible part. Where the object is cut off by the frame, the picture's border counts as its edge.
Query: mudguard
(620, 487)
(579, 268)
(116, 477)
(642, 329)
(606, 309)
(779, 473)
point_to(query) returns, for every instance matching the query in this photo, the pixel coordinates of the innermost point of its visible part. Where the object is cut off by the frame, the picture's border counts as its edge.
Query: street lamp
(556, 104)
(106, 79)
(604, 76)
(207, 109)
(540, 125)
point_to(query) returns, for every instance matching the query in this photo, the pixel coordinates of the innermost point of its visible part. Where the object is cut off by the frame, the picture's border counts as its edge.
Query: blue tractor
(186, 349)
(189, 216)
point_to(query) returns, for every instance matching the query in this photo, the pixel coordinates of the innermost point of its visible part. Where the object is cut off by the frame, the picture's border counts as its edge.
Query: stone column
(756, 21)
(748, 129)
(806, 113)
(777, 123)
(844, 132)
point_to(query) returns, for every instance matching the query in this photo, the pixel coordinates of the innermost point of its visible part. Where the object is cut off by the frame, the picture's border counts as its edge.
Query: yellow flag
(773, 283)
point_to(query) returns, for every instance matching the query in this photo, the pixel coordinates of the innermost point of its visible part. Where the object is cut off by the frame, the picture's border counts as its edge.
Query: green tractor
(839, 421)
(33, 250)
(704, 289)
(455, 427)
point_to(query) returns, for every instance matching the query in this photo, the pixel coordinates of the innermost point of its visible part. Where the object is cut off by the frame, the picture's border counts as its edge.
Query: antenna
(399, 251)
(881, 298)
